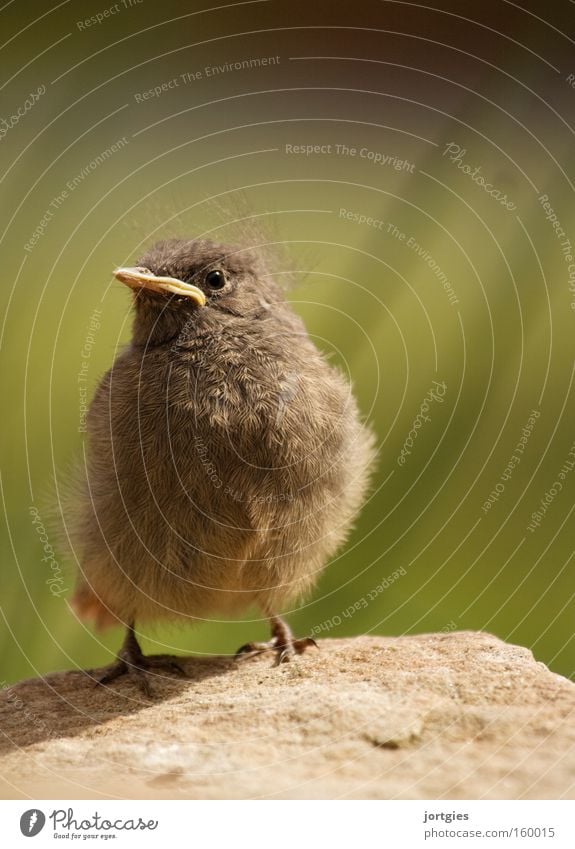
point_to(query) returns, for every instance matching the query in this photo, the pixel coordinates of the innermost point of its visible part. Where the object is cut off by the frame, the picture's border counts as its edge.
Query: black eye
(216, 279)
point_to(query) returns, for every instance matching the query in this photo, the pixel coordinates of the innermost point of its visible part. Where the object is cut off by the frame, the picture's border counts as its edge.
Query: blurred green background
(206, 154)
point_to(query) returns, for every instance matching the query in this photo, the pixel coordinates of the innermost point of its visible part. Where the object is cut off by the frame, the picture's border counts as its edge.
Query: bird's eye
(216, 279)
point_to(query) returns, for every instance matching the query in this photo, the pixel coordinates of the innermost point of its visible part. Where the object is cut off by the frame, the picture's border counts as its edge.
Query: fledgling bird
(226, 459)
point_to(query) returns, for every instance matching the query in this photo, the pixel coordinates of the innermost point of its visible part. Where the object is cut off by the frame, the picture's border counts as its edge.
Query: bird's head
(185, 283)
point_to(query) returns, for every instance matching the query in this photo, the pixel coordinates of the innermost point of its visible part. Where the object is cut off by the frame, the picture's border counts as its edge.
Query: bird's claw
(284, 650)
(249, 650)
(137, 669)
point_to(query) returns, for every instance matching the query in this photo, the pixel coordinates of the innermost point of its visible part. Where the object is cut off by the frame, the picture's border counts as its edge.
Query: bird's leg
(282, 643)
(136, 666)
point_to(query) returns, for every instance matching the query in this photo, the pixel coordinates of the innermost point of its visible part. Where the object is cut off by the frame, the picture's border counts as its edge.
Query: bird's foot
(283, 651)
(284, 645)
(138, 667)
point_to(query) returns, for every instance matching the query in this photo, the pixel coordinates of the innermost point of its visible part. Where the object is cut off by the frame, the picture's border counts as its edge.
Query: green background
(209, 157)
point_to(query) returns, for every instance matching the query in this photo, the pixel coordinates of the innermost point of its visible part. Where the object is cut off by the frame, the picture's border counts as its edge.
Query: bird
(226, 459)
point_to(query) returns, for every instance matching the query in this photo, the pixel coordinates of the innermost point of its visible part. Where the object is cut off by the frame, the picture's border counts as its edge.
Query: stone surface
(457, 716)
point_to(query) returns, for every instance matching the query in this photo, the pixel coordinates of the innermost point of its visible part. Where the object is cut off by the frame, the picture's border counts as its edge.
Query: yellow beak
(142, 278)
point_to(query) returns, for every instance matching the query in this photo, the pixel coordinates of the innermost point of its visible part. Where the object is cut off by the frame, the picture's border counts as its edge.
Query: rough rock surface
(456, 716)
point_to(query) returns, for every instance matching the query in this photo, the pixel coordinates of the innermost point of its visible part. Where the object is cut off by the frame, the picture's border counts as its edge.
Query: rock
(458, 716)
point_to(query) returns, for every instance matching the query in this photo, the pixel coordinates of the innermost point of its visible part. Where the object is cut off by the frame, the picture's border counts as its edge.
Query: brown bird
(226, 459)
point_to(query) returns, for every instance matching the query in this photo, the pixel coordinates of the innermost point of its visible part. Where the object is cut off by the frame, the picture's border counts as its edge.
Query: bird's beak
(142, 278)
